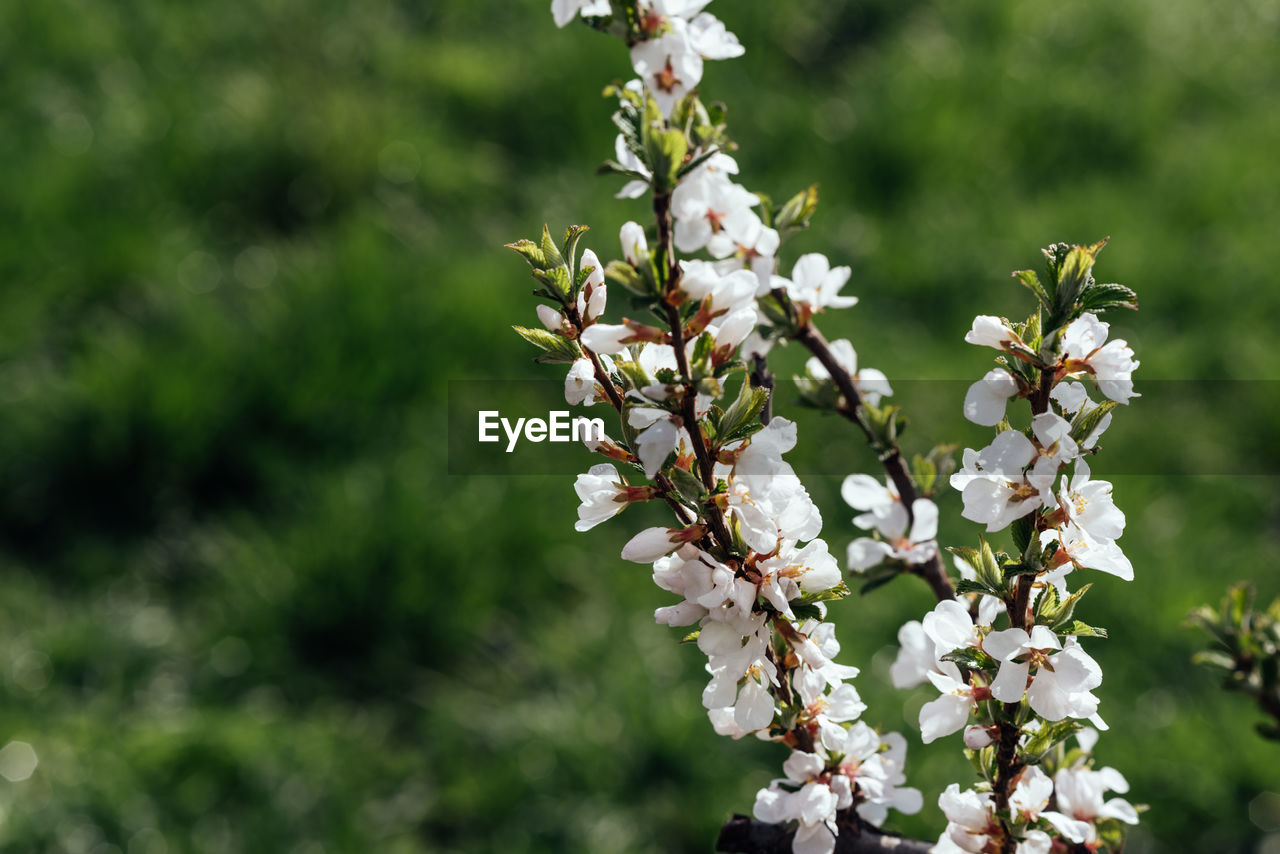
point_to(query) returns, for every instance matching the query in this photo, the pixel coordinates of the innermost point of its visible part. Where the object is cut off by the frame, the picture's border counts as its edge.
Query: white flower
(602, 496)
(713, 212)
(564, 10)
(991, 331)
(813, 281)
(1031, 795)
(658, 436)
(1085, 552)
(1089, 505)
(580, 386)
(1080, 795)
(708, 36)
(969, 819)
(993, 484)
(950, 712)
(986, 400)
(887, 515)
(1073, 399)
(669, 67)
(916, 657)
(1064, 678)
(1112, 364)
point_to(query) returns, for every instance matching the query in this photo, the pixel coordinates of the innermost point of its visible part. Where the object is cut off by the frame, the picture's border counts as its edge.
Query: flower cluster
(1019, 688)
(743, 555)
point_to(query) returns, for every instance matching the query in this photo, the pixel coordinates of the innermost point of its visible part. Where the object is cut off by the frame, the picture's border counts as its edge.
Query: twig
(891, 458)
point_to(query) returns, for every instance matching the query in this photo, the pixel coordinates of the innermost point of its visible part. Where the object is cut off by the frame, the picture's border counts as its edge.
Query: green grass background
(245, 607)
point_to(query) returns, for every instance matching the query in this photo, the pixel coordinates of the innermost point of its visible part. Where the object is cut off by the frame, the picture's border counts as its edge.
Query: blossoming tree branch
(743, 554)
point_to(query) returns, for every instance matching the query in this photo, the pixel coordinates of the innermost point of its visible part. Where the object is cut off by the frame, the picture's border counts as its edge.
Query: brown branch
(891, 458)
(688, 408)
(743, 835)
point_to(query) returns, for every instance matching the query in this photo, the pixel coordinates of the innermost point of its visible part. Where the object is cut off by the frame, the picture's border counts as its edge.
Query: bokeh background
(250, 601)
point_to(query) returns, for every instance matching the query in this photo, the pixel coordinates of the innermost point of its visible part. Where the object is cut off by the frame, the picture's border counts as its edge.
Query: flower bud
(978, 737)
(550, 318)
(635, 248)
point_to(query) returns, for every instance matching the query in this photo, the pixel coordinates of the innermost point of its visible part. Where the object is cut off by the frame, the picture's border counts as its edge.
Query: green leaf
(742, 418)
(665, 151)
(965, 585)
(549, 250)
(831, 594)
(688, 485)
(972, 658)
(1100, 298)
(797, 211)
(1080, 629)
(1083, 425)
(1214, 658)
(1047, 737)
(924, 472)
(556, 349)
(806, 612)
(1067, 607)
(1022, 529)
(572, 235)
(1032, 282)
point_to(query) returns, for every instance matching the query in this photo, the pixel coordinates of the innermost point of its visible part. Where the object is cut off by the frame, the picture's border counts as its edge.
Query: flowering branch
(1246, 648)
(752, 575)
(851, 407)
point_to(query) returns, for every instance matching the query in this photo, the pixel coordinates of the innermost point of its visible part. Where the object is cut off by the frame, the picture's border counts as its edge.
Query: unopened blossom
(592, 297)
(977, 737)
(1085, 349)
(607, 338)
(652, 543)
(551, 319)
(872, 384)
(1031, 795)
(815, 282)
(991, 331)
(1081, 795)
(635, 247)
(1064, 677)
(564, 11)
(987, 399)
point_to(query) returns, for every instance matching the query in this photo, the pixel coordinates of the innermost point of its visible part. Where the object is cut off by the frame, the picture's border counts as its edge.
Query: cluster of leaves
(1245, 648)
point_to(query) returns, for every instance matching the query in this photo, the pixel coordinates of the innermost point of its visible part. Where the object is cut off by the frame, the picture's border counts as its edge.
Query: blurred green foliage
(245, 607)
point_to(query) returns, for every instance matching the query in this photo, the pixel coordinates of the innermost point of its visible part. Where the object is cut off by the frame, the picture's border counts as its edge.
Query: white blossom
(815, 282)
(986, 400)
(1085, 349)
(602, 496)
(991, 331)
(1064, 677)
(564, 11)
(1031, 795)
(1080, 794)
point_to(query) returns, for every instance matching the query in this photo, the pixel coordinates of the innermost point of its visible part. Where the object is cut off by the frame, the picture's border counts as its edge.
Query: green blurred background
(245, 607)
